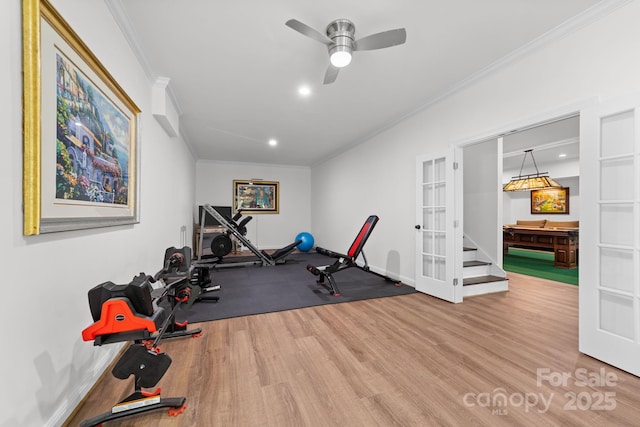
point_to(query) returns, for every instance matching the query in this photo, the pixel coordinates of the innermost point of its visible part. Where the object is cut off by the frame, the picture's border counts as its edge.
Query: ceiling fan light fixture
(340, 57)
(341, 33)
(340, 40)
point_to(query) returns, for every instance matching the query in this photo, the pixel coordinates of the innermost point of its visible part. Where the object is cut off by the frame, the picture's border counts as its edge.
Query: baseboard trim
(80, 394)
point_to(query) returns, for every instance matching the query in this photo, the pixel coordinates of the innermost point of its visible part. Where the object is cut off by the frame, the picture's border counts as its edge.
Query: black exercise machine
(177, 265)
(347, 261)
(222, 244)
(139, 313)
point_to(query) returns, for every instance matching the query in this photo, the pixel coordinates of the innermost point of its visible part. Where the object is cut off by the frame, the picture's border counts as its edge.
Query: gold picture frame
(257, 197)
(550, 201)
(80, 146)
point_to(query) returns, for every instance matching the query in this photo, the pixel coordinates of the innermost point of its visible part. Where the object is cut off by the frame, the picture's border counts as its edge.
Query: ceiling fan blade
(381, 40)
(331, 74)
(308, 31)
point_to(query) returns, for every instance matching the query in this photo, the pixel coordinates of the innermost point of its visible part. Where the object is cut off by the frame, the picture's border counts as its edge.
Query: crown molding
(570, 26)
(265, 165)
(129, 33)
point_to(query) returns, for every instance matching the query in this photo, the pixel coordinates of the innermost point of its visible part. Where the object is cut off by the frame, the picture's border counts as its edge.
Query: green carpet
(538, 264)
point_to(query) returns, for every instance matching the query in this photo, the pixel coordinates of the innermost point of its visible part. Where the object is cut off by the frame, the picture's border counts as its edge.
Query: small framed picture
(550, 201)
(256, 196)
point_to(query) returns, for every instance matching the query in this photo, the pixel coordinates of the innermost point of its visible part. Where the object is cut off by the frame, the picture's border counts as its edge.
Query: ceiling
(235, 68)
(548, 142)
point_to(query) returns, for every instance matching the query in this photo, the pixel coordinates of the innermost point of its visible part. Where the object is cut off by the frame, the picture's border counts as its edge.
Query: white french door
(438, 228)
(610, 233)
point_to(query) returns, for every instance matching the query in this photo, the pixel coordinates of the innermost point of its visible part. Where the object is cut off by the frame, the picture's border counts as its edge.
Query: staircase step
(481, 279)
(466, 248)
(475, 268)
(469, 254)
(475, 263)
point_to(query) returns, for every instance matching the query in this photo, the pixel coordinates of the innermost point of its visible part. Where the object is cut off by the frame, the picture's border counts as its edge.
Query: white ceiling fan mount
(342, 33)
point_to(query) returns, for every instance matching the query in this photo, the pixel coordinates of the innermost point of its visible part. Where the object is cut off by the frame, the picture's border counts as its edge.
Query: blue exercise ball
(306, 241)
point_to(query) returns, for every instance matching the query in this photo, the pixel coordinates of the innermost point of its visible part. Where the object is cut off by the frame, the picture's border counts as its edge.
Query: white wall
(214, 185)
(375, 178)
(46, 367)
(598, 60)
(481, 184)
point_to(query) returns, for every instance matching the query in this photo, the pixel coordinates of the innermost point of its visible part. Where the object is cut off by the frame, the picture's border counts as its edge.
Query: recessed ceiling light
(304, 90)
(273, 142)
(562, 155)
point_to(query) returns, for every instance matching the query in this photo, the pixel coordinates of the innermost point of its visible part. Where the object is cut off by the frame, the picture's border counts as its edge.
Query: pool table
(563, 241)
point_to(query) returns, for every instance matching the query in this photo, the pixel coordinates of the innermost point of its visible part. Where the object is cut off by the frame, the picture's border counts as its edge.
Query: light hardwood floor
(409, 360)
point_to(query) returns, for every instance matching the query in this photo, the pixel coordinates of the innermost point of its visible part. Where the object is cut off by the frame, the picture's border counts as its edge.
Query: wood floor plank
(399, 361)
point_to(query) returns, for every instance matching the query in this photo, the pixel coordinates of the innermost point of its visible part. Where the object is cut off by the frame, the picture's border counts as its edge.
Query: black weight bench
(347, 261)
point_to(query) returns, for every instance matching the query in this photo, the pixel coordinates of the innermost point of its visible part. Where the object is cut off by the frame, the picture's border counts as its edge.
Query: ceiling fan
(341, 42)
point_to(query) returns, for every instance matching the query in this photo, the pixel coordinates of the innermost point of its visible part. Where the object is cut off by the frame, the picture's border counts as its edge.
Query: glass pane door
(610, 233)
(436, 238)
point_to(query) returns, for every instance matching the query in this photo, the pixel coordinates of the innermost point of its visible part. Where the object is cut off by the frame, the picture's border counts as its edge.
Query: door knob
(417, 227)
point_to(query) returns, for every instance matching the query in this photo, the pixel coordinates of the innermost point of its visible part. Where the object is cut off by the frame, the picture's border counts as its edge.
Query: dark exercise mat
(254, 289)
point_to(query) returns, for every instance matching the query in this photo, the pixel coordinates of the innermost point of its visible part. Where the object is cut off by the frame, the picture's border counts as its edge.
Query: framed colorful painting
(256, 196)
(550, 201)
(80, 132)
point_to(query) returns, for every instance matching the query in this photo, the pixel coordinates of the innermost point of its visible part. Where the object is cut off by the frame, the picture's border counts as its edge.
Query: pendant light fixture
(533, 181)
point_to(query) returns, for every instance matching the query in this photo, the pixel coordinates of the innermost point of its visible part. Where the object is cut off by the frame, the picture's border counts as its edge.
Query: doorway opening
(488, 211)
(557, 212)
